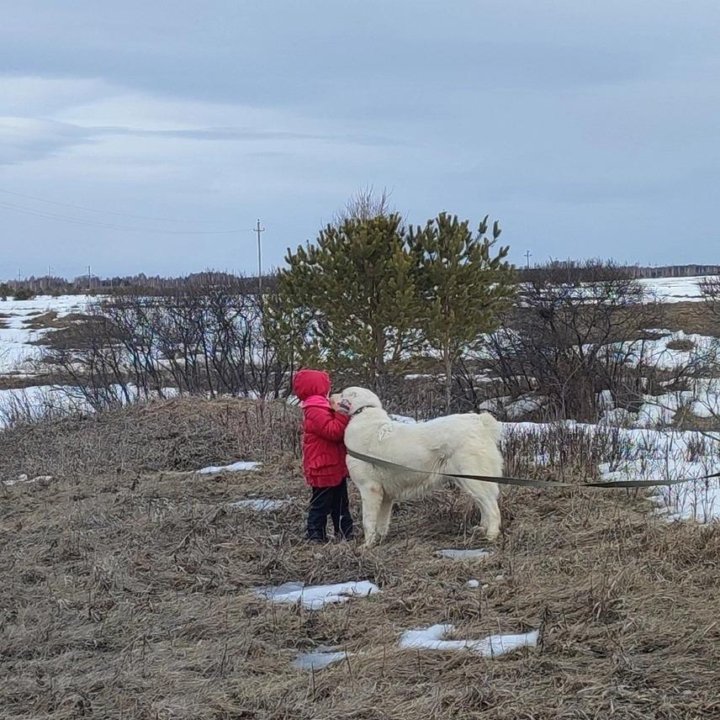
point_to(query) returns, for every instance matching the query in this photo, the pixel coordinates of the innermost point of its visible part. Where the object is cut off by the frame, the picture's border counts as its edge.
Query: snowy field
(652, 450)
(16, 337)
(17, 351)
(681, 289)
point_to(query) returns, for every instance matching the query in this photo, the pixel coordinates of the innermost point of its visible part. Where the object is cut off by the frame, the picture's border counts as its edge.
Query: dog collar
(359, 410)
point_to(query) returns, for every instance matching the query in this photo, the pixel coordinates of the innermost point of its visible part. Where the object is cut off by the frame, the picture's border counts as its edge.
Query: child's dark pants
(331, 501)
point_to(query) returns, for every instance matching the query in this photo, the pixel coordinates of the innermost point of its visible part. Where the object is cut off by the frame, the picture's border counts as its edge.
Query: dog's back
(466, 443)
(450, 433)
(490, 425)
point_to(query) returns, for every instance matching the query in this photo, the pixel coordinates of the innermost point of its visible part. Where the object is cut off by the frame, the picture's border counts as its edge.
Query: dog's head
(353, 399)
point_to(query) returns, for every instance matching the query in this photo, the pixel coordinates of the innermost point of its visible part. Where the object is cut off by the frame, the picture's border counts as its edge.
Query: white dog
(466, 444)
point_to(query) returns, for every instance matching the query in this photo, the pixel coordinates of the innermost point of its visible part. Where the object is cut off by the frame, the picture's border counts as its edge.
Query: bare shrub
(710, 290)
(692, 397)
(205, 337)
(573, 452)
(573, 335)
(32, 405)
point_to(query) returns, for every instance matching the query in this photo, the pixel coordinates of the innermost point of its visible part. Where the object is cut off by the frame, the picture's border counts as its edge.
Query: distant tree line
(579, 271)
(150, 285)
(592, 270)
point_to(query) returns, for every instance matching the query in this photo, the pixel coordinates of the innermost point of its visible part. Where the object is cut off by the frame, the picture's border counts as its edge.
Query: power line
(86, 209)
(111, 226)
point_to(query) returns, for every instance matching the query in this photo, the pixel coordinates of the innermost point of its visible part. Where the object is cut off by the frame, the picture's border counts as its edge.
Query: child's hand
(335, 403)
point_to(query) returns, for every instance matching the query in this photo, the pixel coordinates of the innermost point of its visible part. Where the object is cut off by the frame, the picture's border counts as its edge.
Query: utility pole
(259, 230)
(88, 278)
(527, 258)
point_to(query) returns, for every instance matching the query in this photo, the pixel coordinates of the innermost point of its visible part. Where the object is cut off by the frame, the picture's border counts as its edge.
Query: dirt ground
(126, 588)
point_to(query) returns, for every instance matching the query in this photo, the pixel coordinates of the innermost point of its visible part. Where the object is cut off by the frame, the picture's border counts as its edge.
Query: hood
(311, 382)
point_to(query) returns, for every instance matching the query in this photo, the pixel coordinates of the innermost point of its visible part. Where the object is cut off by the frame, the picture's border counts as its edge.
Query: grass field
(126, 588)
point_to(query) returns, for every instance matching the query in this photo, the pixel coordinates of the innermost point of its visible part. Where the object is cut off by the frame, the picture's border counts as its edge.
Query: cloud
(28, 139)
(27, 95)
(59, 115)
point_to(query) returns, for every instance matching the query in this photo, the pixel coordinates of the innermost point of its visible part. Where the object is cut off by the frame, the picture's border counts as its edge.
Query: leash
(526, 482)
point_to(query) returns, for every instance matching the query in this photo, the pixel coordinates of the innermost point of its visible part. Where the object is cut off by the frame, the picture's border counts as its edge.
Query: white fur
(465, 444)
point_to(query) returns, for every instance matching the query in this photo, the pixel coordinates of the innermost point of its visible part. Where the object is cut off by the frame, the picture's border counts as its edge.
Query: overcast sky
(133, 134)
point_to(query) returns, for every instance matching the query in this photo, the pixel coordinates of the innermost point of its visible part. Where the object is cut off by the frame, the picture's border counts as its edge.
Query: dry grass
(20, 381)
(67, 332)
(685, 419)
(185, 433)
(50, 320)
(125, 589)
(682, 345)
(41, 320)
(691, 317)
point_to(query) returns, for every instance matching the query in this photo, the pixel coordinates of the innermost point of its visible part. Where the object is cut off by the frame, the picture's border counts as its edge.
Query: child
(323, 456)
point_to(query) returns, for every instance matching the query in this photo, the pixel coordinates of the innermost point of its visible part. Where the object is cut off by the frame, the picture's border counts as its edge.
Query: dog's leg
(372, 497)
(485, 496)
(383, 520)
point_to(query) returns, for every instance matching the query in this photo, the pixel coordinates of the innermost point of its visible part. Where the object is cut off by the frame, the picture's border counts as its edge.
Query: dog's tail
(490, 426)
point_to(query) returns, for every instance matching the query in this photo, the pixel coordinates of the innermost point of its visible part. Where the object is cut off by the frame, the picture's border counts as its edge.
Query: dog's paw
(489, 534)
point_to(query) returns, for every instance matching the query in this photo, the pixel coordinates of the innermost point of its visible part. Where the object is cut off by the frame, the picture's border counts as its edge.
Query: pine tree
(351, 295)
(462, 285)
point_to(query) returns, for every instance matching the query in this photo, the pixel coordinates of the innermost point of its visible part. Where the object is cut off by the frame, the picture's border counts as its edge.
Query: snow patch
(315, 597)
(470, 554)
(619, 417)
(432, 638)
(241, 466)
(514, 408)
(23, 478)
(698, 499)
(656, 455)
(318, 659)
(42, 400)
(259, 504)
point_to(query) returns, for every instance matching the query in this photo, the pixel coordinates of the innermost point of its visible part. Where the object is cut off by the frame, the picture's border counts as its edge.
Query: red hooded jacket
(323, 430)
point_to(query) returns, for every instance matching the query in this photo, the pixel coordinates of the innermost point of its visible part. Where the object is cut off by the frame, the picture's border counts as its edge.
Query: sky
(151, 136)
